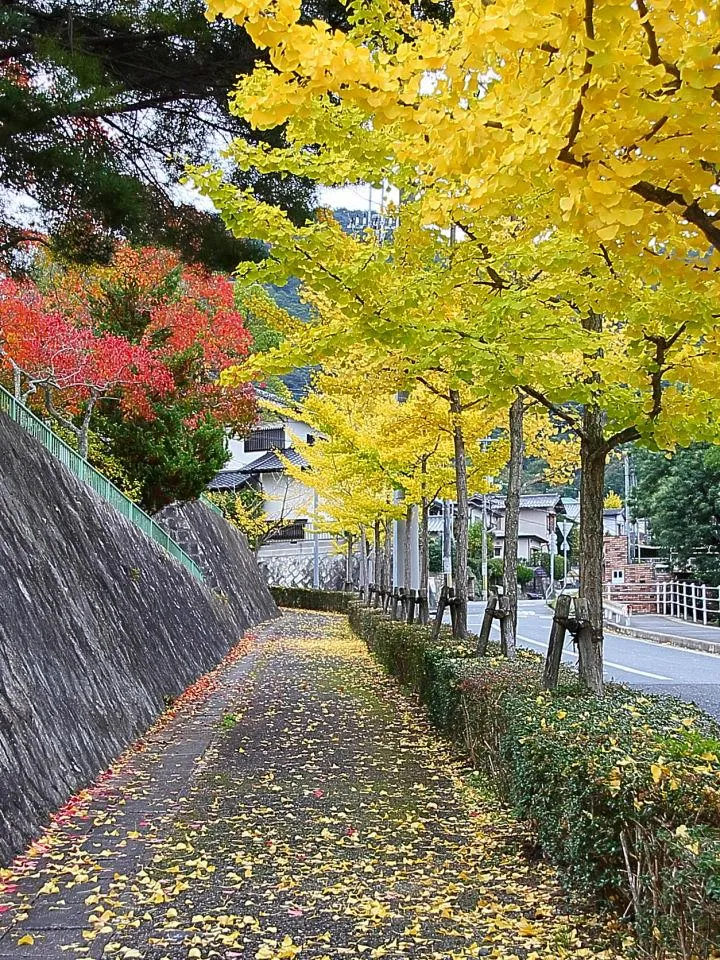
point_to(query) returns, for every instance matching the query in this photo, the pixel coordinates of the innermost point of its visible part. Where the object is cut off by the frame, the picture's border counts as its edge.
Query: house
(257, 462)
(538, 517)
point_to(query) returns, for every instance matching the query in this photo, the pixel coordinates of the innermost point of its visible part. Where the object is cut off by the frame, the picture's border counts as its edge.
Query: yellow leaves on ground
(329, 822)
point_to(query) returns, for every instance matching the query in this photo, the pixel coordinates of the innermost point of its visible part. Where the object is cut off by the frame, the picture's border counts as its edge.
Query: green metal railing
(213, 506)
(88, 474)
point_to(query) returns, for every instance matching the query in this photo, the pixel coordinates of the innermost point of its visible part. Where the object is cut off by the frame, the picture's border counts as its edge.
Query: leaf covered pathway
(293, 805)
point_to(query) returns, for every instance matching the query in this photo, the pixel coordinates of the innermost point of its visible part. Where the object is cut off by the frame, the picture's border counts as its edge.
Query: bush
(624, 792)
(331, 601)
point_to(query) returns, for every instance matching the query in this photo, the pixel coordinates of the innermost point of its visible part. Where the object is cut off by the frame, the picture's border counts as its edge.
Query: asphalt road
(655, 667)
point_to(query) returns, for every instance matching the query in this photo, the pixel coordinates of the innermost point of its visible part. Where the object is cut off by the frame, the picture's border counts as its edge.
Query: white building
(293, 554)
(538, 518)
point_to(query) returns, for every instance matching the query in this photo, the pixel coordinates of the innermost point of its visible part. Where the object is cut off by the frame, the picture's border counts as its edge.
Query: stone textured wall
(223, 554)
(288, 571)
(98, 625)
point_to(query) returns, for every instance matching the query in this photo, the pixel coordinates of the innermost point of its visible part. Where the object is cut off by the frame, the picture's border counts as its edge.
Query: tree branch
(573, 422)
(692, 211)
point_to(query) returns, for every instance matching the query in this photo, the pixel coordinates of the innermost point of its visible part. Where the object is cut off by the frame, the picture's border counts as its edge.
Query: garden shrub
(623, 792)
(301, 598)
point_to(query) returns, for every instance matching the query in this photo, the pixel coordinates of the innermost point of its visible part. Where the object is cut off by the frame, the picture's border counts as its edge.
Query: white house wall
(286, 498)
(294, 430)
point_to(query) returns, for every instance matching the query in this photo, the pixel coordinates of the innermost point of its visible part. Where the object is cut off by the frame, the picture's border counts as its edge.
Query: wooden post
(455, 621)
(557, 640)
(412, 600)
(394, 603)
(486, 626)
(423, 608)
(442, 604)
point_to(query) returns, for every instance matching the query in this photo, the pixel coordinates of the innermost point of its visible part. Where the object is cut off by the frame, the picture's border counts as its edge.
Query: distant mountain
(288, 298)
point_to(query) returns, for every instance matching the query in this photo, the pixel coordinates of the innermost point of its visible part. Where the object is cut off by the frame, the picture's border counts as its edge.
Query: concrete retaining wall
(98, 625)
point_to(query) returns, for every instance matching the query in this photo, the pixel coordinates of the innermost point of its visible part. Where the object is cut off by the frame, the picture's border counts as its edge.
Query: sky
(355, 196)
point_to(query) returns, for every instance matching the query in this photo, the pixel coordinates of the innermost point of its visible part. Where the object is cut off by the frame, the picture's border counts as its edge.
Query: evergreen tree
(680, 497)
(101, 104)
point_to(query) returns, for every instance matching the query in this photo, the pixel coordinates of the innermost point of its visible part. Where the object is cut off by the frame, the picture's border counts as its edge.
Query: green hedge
(623, 792)
(332, 601)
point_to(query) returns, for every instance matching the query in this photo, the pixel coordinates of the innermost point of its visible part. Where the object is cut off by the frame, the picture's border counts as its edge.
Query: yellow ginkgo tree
(385, 454)
(557, 168)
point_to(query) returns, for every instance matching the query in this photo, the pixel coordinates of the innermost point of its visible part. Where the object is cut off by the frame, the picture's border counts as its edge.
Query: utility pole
(484, 551)
(316, 545)
(447, 542)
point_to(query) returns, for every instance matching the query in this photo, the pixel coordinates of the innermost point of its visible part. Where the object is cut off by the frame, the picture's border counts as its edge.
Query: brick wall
(636, 586)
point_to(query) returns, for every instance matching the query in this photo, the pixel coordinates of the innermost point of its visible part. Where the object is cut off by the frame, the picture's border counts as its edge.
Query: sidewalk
(304, 809)
(680, 633)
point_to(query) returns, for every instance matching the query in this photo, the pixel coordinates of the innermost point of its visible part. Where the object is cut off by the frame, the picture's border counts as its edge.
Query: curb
(687, 643)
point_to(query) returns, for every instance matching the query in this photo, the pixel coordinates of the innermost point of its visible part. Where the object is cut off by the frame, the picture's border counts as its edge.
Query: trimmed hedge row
(331, 601)
(623, 793)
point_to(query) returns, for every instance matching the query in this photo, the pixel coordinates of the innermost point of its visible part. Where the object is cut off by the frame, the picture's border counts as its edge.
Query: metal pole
(626, 510)
(447, 542)
(552, 545)
(316, 546)
(484, 548)
(565, 552)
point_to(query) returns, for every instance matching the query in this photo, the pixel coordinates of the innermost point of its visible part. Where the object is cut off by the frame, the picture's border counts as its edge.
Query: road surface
(655, 667)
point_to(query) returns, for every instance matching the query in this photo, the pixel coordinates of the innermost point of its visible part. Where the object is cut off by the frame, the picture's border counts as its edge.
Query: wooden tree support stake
(486, 626)
(494, 610)
(557, 640)
(423, 608)
(439, 613)
(452, 603)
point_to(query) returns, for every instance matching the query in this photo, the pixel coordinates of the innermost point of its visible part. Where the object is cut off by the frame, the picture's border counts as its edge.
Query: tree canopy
(101, 104)
(679, 495)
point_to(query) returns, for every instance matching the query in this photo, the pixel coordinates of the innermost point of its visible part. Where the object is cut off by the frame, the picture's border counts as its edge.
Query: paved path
(656, 667)
(675, 627)
(299, 808)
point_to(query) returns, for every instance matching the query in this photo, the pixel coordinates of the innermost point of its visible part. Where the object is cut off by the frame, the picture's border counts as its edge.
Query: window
(269, 439)
(618, 576)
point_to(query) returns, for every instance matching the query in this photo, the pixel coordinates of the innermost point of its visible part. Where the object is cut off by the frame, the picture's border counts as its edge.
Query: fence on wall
(88, 474)
(671, 598)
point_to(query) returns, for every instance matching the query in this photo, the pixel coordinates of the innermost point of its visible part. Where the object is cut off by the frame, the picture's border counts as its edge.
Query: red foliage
(54, 351)
(143, 328)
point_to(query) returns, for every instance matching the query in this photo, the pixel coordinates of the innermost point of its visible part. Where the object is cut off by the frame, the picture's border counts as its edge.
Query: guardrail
(671, 598)
(93, 478)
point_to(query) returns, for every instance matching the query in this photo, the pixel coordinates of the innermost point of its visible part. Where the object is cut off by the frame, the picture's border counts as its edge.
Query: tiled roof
(270, 462)
(228, 480)
(529, 501)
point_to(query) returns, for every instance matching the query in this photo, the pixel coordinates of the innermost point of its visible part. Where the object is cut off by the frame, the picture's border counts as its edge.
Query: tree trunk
(349, 560)
(461, 517)
(364, 571)
(387, 560)
(377, 556)
(592, 477)
(424, 546)
(17, 381)
(508, 624)
(407, 559)
(447, 542)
